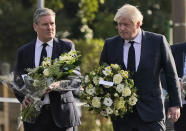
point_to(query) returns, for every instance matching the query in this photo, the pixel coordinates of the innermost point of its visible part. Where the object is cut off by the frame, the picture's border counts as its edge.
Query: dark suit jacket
(155, 55)
(63, 108)
(178, 51)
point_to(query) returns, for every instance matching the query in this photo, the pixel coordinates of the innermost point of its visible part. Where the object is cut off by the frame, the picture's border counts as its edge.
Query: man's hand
(181, 85)
(174, 113)
(27, 101)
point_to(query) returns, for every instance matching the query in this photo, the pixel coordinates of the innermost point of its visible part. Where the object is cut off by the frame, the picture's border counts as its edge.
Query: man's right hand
(27, 101)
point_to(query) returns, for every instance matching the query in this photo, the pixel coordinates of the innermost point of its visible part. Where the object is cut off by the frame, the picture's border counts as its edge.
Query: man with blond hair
(144, 54)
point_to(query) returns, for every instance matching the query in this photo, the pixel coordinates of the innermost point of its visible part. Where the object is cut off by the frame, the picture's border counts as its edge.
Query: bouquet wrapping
(61, 74)
(109, 91)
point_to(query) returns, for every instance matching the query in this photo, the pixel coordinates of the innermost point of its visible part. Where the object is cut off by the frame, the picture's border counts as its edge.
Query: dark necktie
(43, 53)
(131, 64)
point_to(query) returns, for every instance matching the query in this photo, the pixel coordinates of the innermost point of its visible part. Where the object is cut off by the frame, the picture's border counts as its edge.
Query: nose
(49, 26)
(122, 27)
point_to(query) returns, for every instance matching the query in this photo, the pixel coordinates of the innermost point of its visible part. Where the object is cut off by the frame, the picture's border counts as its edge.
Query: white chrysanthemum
(107, 101)
(117, 79)
(115, 66)
(126, 92)
(107, 68)
(86, 79)
(90, 91)
(109, 110)
(95, 80)
(120, 88)
(107, 72)
(133, 100)
(124, 74)
(46, 72)
(96, 102)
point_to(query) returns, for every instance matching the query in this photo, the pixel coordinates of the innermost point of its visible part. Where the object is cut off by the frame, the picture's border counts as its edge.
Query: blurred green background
(86, 22)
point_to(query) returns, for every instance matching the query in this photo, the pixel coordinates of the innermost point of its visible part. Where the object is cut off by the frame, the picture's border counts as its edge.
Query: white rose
(133, 100)
(46, 72)
(109, 110)
(117, 79)
(95, 80)
(107, 101)
(90, 91)
(120, 88)
(126, 92)
(96, 102)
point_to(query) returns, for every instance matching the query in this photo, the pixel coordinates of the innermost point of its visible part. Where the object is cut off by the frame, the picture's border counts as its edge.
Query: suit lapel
(55, 50)
(144, 46)
(182, 58)
(120, 53)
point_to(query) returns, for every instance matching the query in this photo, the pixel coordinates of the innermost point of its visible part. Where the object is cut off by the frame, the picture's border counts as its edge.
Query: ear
(138, 24)
(35, 27)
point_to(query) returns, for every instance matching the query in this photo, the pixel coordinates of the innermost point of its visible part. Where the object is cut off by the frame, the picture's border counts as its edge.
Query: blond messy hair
(131, 12)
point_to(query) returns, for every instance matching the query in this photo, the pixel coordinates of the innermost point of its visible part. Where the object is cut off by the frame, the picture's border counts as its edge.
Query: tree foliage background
(86, 22)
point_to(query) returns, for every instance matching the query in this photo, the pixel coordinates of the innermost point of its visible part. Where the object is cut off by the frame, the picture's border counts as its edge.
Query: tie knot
(131, 42)
(44, 45)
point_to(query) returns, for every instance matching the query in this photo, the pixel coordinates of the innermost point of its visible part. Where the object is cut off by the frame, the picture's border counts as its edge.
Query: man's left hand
(174, 113)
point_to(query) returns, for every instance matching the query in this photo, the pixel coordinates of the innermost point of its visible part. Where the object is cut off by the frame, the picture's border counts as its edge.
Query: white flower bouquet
(184, 86)
(109, 91)
(61, 74)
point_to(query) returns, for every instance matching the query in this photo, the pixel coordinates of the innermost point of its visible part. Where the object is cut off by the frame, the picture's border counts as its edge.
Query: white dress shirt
(38, 49)
(137, 47)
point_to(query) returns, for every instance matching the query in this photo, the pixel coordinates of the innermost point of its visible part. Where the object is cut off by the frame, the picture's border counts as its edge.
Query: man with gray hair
(59, 112)
(144, 54)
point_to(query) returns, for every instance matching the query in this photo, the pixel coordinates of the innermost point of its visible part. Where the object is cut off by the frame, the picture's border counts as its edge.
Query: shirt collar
(39, 43)
(137, 39)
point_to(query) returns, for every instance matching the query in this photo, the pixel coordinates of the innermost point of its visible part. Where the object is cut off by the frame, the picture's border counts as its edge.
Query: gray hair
(131, 12)
(42, 12)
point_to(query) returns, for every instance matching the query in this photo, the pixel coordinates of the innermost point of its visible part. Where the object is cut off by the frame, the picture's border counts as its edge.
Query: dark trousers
(180, 125)
(132, 122)
(44, 122)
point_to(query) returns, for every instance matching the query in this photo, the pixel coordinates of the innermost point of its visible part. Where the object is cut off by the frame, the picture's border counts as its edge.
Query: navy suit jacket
(63, 106)
(179, 52)
(155, 55)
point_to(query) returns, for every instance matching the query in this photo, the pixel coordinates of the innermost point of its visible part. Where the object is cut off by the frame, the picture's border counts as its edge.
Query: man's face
(45, 28)
(127, 29)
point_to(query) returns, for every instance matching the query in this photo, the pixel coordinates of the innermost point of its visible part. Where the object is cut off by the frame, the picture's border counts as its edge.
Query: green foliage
(90, 51)
(104, 28)
(15, 23)
(94, 122)
(87, 10)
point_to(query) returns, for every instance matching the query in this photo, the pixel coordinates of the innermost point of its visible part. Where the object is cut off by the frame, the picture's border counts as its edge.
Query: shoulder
(179, 46)
(63, 43)
(152, 34)
(113, 41)
(114, 38)
(26, 47)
